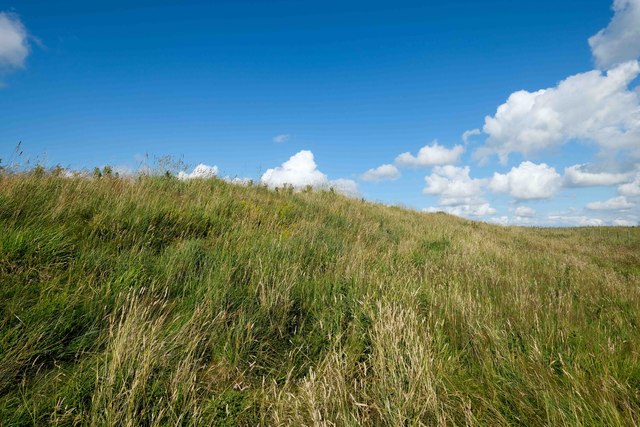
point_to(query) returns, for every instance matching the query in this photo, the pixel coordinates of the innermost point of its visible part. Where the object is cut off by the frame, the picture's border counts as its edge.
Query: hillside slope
(157, 302)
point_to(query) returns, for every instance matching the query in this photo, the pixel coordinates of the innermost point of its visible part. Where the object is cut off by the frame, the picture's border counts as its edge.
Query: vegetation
(152, 301)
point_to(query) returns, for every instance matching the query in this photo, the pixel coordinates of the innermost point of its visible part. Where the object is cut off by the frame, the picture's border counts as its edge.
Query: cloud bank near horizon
(600, 108)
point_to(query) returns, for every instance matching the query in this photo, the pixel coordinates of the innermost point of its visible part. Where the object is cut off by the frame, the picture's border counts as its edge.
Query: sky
(521, 113)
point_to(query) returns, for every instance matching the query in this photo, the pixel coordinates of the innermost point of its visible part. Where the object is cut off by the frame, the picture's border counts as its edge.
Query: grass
(150, 301)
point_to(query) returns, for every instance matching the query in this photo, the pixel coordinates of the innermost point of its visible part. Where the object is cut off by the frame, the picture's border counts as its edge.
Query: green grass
(150, 301)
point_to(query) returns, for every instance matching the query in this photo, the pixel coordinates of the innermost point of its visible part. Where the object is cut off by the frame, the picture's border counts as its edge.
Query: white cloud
(281, 138)
(482, 209)
(570, 218)
(596, 107)
(14, 43)
(620, 41)
(613, 204)
(589, 222)
(525, 212)
(201, 171)
(631, 189)
(347, 187)
(467, 134)
(452, 182)
(528, 181)
(589, 106)
(500, 220)
(431, 155)
(301, 171)
(574, 220)
(623, 222)
(579, 176)
(381, 173)
(459, 194)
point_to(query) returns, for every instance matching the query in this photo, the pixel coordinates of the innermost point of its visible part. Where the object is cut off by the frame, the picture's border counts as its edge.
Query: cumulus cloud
(301, 171)
(14, 43)
(452, 182)
(613, 204)
(281, 138)
(598, 107)
(630, 189)
(574, 220)
(459, 194)
(560, 219)
(620, 41)
(500, 220)
(591, 106)
(201, 171)
(347, 187)
(431, 155)
(381, 173)
(570, 218)
(623, 222)
(580, 176)
(517, 220)
(528, 181)
(482, 209)
(525, 212)
(467, 134)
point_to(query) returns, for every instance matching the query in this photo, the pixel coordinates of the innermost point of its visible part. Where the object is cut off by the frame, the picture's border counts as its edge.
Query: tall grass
(150, 301)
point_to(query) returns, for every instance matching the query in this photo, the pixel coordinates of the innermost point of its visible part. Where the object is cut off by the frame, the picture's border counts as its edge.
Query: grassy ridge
(157, 302)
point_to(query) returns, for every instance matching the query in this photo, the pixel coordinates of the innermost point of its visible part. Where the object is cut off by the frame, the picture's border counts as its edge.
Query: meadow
(153, 301)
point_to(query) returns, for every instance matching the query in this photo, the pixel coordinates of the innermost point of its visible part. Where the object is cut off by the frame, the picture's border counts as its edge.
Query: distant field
(151, 301)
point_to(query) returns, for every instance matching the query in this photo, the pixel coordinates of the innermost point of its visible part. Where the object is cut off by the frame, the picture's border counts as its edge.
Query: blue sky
(319, 93)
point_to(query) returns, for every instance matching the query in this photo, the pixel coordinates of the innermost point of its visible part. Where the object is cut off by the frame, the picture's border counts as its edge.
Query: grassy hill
(152, 301)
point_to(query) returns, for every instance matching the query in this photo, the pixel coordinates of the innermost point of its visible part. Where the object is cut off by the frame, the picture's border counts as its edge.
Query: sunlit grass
(150, 301)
